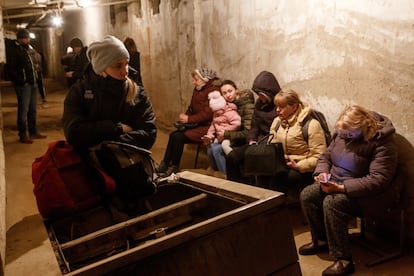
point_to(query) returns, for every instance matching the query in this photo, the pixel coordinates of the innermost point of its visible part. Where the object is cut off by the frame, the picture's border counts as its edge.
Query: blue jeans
(216, 157)
(26, 108)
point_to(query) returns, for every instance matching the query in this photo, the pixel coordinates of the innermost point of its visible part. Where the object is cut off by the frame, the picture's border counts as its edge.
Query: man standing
(24, 77)
(75, 62)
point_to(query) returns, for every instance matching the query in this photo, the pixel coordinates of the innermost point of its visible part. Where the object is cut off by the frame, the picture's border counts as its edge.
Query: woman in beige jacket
(301, 153)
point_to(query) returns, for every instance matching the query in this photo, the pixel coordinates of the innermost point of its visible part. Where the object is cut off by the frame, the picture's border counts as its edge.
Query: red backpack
(65, 184)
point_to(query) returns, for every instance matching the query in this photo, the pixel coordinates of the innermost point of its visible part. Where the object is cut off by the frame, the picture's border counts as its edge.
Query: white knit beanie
(104, 53)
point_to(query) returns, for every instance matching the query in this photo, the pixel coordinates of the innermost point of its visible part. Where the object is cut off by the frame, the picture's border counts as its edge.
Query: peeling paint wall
(333, 52)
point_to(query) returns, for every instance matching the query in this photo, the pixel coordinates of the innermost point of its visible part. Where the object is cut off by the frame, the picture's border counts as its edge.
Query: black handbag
(264, 158)
(184, 126)
(131, 167)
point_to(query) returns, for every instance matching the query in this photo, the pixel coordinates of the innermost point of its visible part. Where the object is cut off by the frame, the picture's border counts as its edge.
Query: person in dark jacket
(24, 77)
(352, 178)
(134, 60)
(266, 87)
(75, 62)
(37, 59)
(198, 113)
(106, 104)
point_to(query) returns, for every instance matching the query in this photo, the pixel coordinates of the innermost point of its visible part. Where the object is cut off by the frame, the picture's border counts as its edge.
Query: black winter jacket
(264, 113)
(95, 106)
(20, 65)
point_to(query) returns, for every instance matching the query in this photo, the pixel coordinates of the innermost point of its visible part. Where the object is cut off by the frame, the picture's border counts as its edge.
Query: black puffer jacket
(94, 107)
(264, 113)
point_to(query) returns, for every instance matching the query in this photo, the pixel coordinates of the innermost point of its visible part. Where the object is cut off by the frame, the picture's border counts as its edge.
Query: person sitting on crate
(352, 178)
(265, 86)
(107, 105)
(192, 124)
(301, 153)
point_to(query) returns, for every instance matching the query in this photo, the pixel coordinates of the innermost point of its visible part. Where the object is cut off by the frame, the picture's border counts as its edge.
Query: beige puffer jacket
(289, 133)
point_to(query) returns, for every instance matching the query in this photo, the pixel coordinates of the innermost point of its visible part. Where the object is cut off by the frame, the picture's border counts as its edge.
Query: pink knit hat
(216, 101)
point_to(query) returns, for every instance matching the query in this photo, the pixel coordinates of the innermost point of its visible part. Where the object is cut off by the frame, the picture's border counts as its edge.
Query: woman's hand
(290, 162)
(220, 135)
(126, 128)
(183, 118)
(207, 140)
(328, 186)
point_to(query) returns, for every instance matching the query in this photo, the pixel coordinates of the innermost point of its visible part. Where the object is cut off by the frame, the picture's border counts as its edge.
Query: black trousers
(281, 183)
(40, 85)
(175, 147)
(234, 166)
(285, 181)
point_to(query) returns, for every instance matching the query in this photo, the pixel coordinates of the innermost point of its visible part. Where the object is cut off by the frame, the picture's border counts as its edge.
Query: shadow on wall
(405, 165)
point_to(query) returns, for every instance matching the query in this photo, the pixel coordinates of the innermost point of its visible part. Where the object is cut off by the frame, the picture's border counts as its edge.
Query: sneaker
(171, 169)
(26, 140)
(37, 135)
(162, 168)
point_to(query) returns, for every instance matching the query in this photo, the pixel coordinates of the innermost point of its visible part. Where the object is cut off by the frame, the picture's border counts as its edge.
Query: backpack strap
(305, 127)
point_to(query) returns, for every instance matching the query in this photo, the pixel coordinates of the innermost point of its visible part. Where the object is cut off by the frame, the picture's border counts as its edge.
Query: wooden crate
(199, 226)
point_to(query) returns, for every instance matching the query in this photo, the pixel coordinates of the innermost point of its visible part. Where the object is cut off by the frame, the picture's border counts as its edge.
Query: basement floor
(27, 244)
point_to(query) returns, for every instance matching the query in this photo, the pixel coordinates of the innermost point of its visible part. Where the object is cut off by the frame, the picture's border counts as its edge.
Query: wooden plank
(121, 236)
(118, 241)
(123, 225)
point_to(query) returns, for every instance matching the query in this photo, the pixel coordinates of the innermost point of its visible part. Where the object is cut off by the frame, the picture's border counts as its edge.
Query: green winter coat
(245, 108)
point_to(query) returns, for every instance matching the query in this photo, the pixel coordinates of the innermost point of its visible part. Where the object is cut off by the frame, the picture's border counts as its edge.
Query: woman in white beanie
(107, 104)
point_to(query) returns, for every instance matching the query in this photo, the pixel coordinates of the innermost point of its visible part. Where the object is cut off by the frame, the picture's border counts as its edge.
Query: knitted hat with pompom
(216, 101)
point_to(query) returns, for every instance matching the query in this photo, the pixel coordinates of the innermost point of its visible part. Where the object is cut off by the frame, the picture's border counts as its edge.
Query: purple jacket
(366, 169)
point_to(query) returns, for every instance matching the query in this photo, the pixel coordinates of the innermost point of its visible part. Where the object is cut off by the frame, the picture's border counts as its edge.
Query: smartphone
(324, 178)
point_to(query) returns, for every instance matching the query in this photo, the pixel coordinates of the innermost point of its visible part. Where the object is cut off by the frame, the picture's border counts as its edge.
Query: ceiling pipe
(52, 5)
(63, 3)
(24, 15)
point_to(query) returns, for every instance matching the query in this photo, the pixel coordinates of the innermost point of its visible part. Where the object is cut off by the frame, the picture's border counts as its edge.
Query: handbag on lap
(264, 158)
